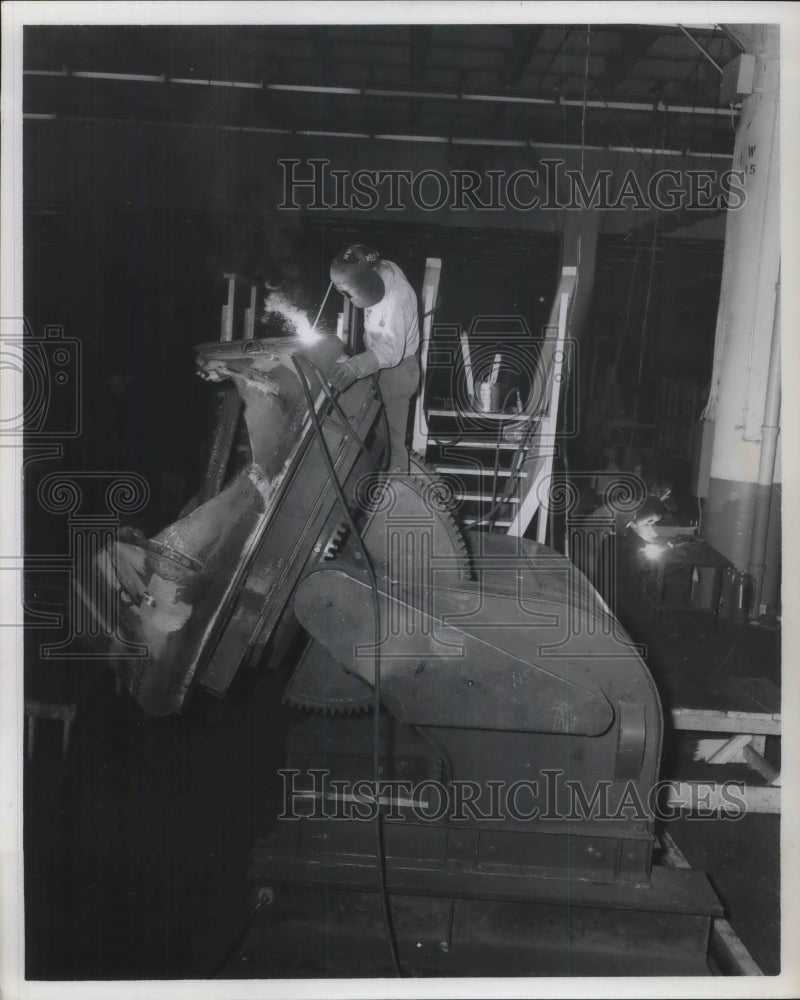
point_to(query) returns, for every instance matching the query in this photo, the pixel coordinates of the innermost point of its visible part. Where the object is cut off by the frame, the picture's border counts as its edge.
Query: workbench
(685, 556)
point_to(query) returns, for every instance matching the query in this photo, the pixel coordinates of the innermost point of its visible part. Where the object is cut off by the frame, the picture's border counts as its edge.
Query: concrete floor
(136, 844)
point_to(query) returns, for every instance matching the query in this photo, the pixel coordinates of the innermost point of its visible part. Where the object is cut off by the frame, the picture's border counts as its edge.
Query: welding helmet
(354, 274)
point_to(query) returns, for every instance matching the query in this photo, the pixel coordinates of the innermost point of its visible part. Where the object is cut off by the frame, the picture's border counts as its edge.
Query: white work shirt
(391, 328)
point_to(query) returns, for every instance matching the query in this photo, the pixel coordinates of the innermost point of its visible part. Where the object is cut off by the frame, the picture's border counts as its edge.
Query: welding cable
(343, 421)
(440, 754)
(494, 510)
(373, 583)
(495, 474)
(263, 901)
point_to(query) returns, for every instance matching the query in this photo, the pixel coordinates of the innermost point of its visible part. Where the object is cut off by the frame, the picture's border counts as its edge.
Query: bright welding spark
(278, 303)
(652, 550)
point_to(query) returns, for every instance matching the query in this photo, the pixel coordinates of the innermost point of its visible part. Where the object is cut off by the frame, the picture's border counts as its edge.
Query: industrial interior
(500, 700)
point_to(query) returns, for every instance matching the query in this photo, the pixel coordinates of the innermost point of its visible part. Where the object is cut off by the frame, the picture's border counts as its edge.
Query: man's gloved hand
(342, 375)
(348, 370)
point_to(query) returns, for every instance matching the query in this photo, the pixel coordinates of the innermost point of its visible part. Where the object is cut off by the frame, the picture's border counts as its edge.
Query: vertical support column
(766, 469)
(226, 326)
(250, 316)
(579, 249)
(745, 317)
(549, 423)
(539, 462)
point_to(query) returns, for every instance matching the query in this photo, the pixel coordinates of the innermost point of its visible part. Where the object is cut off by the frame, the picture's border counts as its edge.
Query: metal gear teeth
(321, 709)
(334, 543)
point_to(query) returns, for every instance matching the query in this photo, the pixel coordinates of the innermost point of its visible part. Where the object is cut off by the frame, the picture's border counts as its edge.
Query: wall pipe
(770, 430)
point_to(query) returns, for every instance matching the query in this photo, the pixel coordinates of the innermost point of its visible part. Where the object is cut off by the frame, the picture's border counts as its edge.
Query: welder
(391, 337)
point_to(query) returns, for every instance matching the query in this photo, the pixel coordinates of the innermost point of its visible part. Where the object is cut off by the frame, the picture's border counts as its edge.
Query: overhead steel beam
(393, 92)
(528, 143)
(502, 98)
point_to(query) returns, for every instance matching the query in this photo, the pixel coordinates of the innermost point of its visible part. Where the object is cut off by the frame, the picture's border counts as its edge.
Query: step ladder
(499, 464)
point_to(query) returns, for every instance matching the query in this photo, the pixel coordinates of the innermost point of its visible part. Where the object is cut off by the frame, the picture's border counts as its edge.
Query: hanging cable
(617, 122)
(643, 334)
(373, 583)
(496, 469)
(342, 423)
(645, 317)
(564, 458)
(620, 343)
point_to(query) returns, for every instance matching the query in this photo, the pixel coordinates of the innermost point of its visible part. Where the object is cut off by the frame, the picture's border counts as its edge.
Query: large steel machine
(474, 789)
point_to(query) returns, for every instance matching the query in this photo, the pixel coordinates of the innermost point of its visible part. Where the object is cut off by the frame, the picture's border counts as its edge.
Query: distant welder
(391, 337)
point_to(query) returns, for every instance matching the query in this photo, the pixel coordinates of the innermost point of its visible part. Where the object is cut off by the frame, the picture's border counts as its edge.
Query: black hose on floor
(373, 581)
